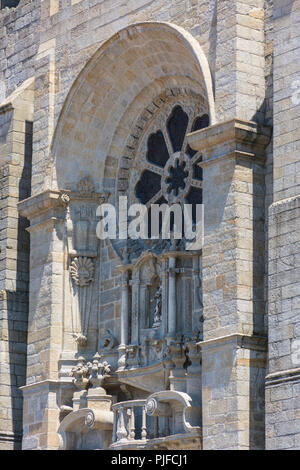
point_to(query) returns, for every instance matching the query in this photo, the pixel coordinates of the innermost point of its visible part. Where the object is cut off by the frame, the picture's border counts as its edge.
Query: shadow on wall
(17, 300)
(213, 44)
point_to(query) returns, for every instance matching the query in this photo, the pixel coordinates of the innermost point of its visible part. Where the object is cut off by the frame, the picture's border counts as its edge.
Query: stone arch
(129, 71)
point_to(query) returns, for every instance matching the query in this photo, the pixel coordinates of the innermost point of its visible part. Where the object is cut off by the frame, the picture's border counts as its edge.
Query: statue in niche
(157, 311)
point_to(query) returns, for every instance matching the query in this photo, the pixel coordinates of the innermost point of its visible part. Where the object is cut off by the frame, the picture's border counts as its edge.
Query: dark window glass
(197, 171)
(194, 197)
(177, 126)
(148, 186)
(9, 3)
(157, 149)
(199, 123)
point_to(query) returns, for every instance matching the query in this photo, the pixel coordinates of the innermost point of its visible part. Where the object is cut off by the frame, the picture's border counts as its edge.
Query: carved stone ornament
(82, 271)
(108, 340)
(65, 198)
(91, 374)
(80, 339)
(98, 371)
(157, 312)
(80, 374)
(85, 186)
(90, 419)
(3, 295)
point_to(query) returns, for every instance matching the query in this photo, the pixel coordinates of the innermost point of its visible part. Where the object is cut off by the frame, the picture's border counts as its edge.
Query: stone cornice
(35, 206)
(285, 205)
(284, 376)
(242, 341)
(48, 383)
(50, 200)
(99, 198)
(161, 256)
(246, 137)
(5, 108)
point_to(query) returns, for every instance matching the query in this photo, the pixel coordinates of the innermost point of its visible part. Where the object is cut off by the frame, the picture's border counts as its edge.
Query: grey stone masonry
(283, 379)
(232, 275)
(15, 185)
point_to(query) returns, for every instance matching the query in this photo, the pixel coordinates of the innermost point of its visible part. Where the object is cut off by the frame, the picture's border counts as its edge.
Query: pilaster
(16, 115)
(234, 345)
(46, 213)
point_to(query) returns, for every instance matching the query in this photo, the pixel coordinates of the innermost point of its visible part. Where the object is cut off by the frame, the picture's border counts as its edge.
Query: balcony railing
(130, 423)
(167, 414)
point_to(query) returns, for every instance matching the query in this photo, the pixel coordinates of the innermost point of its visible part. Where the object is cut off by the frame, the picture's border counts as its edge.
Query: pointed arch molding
(131, 68)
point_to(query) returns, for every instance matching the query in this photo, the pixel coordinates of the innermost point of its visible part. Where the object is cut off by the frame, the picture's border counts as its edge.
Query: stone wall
(15, 185)
(282, 385)
(52, 41)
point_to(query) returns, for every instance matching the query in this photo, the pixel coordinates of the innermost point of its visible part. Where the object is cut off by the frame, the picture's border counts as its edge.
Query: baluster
(144, 425)
(168, 427)
(132, 424)
(128, 417)
(114, 436)
(122, 429)
(156, 426)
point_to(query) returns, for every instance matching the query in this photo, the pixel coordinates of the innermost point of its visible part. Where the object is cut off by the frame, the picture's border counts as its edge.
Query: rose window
(170, 172)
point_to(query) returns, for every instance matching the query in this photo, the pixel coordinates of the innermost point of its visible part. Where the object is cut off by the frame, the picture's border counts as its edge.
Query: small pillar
(124, 321)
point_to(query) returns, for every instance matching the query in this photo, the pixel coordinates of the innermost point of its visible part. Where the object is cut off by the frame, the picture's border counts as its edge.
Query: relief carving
(82, 274)
(157, 311)
(80, 374)
(85, 186)
(90, 374)
(108, 341)
(82, 271)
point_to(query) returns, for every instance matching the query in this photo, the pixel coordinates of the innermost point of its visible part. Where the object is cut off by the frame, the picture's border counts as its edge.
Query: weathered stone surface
(83, 85)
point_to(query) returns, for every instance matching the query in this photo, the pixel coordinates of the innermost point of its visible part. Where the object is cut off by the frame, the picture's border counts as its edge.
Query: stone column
(172, 297)
(43, 389)
(234, 336)
(124, 321)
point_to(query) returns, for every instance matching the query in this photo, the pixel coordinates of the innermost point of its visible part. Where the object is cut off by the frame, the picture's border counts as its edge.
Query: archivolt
(126, 73)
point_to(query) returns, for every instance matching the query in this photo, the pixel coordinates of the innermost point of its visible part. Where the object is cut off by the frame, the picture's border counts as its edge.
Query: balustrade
(134, 427)
(129, 421)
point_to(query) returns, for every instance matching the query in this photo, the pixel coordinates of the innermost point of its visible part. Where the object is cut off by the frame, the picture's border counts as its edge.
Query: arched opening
(127, 74)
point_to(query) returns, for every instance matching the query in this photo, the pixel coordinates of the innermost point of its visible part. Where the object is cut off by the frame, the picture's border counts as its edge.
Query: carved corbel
(132, 355)
(179, 405)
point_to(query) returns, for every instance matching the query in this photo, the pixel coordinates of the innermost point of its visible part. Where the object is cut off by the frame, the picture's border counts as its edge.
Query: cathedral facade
(124, 343)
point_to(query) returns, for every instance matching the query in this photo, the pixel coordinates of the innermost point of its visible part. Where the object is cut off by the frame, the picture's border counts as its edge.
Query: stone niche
(81, 267)
(161, 313)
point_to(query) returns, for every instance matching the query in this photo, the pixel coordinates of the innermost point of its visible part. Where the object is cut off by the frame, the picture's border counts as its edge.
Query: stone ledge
(284, 205)
(44, 384)
(5, 108)
(238, 340)
(276, 378)
(10, 437)
(37, 205)
(238, 135)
